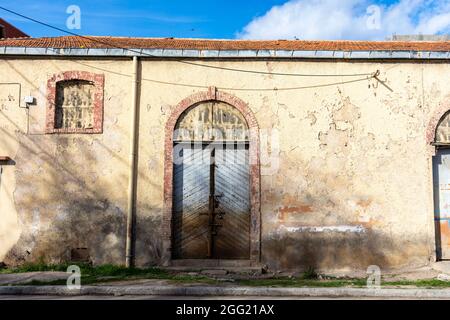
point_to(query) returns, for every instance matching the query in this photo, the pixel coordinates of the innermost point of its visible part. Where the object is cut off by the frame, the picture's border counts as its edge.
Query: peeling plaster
(353, 186)
(315, 229)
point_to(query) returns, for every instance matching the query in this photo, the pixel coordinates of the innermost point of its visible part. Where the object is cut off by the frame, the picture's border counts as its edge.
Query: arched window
(211, 121)
(442, 135)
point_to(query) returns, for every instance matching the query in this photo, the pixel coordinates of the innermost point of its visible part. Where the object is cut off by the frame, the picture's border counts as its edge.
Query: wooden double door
(211, 201)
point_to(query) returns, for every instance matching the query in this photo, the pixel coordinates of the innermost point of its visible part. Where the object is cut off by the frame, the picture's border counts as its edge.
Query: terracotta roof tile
(205, 44)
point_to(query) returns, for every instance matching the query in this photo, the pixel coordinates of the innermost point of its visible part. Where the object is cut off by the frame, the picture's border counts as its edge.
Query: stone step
(216, 270)
(208, 263)
(442, 266)
(231, 266)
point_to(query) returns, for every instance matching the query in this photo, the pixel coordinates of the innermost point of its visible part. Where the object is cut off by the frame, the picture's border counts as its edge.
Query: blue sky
(256, 19)
(147, 18)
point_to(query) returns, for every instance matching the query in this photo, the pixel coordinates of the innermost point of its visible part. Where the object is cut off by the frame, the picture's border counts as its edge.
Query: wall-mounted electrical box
(29, 100)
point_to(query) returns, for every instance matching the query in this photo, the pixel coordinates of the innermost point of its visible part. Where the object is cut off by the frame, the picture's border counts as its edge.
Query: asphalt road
(143, 297)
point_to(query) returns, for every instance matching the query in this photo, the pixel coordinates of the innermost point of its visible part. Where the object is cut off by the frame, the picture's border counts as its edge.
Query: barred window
(74, 104)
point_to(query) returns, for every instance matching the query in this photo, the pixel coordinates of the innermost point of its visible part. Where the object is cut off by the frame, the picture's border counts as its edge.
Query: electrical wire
(373, 75)
(264, 89)
(178, 60)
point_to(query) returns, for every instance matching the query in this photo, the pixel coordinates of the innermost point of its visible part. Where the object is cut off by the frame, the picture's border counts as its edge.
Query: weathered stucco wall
(64, 191)
(349, 184)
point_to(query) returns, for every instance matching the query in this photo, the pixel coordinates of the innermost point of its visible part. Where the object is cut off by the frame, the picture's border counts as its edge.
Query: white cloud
(349, 19)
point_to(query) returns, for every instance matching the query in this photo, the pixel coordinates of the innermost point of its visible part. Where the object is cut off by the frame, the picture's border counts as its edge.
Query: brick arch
(212, 94)
(441, 111)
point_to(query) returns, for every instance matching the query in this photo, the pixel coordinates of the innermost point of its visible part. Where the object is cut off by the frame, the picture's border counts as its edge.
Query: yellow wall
(350, 184)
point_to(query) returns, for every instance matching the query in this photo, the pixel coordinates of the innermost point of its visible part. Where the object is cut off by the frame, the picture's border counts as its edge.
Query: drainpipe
(132, 169)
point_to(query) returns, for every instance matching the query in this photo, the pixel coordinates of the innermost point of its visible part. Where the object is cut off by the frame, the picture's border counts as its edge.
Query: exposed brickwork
(97, 79)
(255, 185)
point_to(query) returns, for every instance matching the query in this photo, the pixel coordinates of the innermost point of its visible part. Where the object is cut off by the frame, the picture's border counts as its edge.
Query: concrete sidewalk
(205, 291)
(23, 278)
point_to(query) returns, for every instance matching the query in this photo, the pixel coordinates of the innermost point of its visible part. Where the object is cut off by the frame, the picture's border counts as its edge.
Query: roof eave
(195, 53)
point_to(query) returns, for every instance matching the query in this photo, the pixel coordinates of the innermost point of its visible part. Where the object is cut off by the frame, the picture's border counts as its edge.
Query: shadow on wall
(336, 187)
(71, 193)
(148, 244)
(64, 201)
(332, 250)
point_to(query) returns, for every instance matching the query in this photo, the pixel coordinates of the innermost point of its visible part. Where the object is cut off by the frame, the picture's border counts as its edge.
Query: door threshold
(442, 266)
(214, 263)
(228, 265)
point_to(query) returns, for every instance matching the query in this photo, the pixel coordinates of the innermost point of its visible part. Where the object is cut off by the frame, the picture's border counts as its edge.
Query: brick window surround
(98, 80)
(212, 94)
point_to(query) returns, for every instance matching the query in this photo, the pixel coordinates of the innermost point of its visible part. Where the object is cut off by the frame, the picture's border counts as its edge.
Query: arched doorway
(441, 185)
(211, 186)
(211, 182)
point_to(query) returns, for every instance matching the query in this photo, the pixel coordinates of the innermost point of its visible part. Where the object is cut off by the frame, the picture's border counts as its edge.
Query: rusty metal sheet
(441, 180)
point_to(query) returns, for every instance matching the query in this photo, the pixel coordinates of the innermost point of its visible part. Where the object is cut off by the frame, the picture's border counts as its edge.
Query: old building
(7, 30)
(290, 154)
